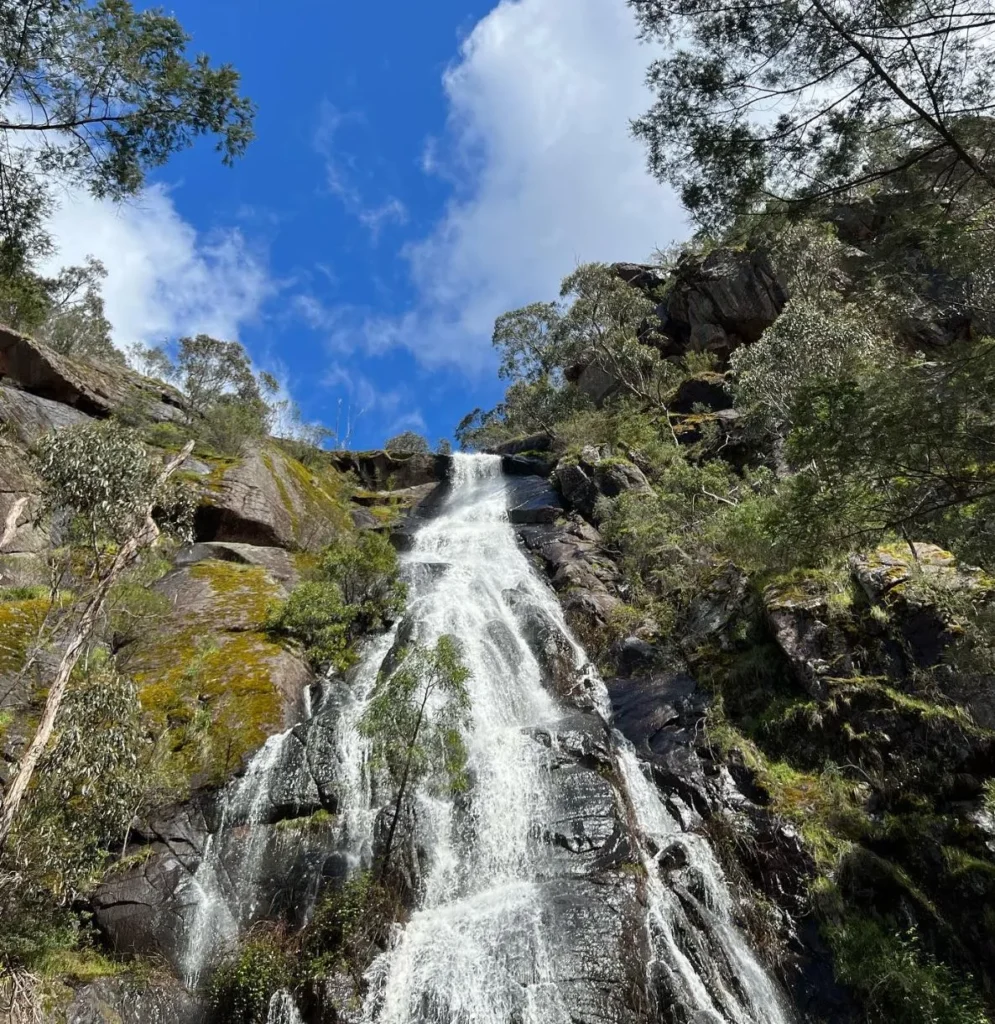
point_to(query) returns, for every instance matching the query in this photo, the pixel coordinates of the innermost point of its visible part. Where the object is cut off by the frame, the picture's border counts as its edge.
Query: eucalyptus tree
(805, 99)
(94, 95)
(415, 722)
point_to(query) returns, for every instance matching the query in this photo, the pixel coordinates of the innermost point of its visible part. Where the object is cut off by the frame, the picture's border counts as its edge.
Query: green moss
(242, 591)
(212, 690)
(317, 822)
(216, 697)
(19, 625)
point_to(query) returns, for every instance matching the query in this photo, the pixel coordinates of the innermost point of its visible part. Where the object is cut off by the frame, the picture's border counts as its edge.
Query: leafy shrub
(897, 980)
(353, 590)
(350, 925)
(407, 443)
(243, 985)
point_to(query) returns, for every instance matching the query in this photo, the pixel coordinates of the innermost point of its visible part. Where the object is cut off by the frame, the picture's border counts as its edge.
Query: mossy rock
(213, 679)
(267, 497)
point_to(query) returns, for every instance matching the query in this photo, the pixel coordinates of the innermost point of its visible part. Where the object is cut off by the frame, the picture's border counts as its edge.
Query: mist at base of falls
(537, 897)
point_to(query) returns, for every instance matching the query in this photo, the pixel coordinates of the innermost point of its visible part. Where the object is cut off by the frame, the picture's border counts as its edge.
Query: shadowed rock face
(95, 389)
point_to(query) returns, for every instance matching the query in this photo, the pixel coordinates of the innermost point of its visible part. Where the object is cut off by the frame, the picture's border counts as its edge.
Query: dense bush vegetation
(352, 590)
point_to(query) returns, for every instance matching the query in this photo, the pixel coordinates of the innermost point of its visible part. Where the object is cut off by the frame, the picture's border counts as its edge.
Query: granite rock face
(97, 389)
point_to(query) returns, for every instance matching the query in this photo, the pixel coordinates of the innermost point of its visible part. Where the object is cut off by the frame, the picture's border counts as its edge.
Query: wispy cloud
(164, 278)
(359, 399)
(341, 173)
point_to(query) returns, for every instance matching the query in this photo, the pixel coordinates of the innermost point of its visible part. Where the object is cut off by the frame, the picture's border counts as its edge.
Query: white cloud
(164, 279)
(544, 171)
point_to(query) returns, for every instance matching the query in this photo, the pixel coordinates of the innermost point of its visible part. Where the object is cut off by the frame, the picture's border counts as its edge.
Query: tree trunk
(10, 525)
(385, 856)
(145, 535)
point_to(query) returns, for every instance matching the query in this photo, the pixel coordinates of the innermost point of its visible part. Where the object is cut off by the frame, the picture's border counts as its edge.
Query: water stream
(486, 943)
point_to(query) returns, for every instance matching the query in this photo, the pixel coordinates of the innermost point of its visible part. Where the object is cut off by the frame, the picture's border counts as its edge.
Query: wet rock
(663, 717)
(129, 1001)
(597, 922)
(97, 389)
(531, 500)
(528, 465)
(551, 648)
(572, 555)
(802, 625)
(637, 657)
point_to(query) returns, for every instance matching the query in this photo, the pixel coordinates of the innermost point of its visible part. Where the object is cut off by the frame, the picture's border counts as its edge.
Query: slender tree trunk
(385, 856)
(144, 535)
(10, 524)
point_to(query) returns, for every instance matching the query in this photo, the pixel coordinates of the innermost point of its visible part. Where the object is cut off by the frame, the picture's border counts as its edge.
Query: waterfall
(482, 946)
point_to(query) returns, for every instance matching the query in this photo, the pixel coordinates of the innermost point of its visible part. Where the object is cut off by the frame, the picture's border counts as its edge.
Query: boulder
(528, 465)
(267, 498)
(663, 717)
(125, 1000)
(720, 301)
(541, 442)
(618, 476)
(597, 383)
(572, 555)
(704, 390)
(717, 608)
(801, 622)
(381, 471)
(276, 561)
(596, 474)
(531, 499)
(97, 389)
(578, 489)
(29, 416)
(891, 576)
(212, 659)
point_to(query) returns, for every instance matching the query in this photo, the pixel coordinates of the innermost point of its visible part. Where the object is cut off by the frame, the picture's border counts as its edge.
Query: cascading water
(482, 946)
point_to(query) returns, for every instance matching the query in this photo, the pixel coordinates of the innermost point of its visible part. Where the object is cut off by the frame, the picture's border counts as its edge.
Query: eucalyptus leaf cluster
(99, 481)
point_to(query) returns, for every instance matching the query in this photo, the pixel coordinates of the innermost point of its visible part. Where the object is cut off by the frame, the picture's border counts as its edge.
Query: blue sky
(419, 168)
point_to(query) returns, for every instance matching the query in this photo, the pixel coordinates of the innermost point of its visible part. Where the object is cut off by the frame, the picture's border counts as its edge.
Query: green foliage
(352, 590)
(243, 984)
(415, 719)
(859, 94)
(103, 129)
(905, 448)
(595, 323)
(89, 785)
(350, 926)
(99, 481)
(896, 979)
(407, 443)
(228, 397)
